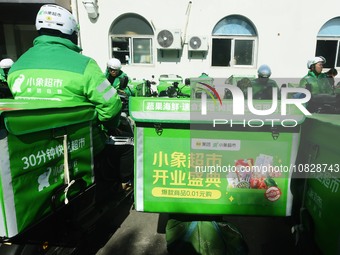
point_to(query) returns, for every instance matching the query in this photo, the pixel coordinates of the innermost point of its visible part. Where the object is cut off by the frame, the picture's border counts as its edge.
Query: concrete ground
(137, 234)
(140, 233)
(117, 229)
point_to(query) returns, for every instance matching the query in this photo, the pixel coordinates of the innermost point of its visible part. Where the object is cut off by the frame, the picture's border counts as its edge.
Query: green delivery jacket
(115, 81)
(319, 84)
(262, 88)
(53, 69)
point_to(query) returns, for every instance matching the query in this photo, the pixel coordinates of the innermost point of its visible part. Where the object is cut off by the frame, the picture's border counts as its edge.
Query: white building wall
(286, 30)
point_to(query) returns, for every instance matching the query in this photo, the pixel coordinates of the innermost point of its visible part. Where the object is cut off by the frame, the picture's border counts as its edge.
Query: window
(142, 49)
(328, 43)
(234, 40)
(131, 40)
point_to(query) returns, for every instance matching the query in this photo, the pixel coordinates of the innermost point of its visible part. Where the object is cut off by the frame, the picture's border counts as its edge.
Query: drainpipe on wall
(74, 9)
(187, 21)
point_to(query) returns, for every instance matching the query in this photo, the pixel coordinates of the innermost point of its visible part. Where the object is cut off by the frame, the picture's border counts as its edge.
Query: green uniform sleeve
(318, 85)
(303, 82)
(102, 95)
(116, 83)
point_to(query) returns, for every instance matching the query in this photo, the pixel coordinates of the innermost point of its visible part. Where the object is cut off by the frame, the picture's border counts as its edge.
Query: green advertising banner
(200, 169)
(33, 159)
(213, 172)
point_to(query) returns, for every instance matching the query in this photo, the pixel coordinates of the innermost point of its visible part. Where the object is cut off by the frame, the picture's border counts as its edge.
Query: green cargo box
(185, 165)
(320, 152)
(33, 139)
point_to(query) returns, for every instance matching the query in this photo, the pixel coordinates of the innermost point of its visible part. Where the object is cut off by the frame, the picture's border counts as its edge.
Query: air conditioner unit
(169, 39)
(198, 43)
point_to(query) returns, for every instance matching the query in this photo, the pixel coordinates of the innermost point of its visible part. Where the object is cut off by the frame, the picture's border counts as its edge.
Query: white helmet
(114, 63)
(54, 17)
(6, 63)
(315, 60)
(264, 71)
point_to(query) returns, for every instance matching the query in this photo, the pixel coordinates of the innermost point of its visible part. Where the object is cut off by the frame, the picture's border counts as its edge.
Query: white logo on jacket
(17, 83)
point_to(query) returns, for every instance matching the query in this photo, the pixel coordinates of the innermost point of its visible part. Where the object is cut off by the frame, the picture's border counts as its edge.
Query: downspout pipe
(187, 21)
(74, 9)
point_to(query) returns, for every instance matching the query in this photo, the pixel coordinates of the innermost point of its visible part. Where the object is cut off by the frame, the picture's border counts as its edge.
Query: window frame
(328, 33)
(234, 38)
(151, 50)
(337, 51)
(130, 49)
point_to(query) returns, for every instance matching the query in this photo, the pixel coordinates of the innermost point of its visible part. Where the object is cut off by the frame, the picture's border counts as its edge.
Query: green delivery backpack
(204, 238)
